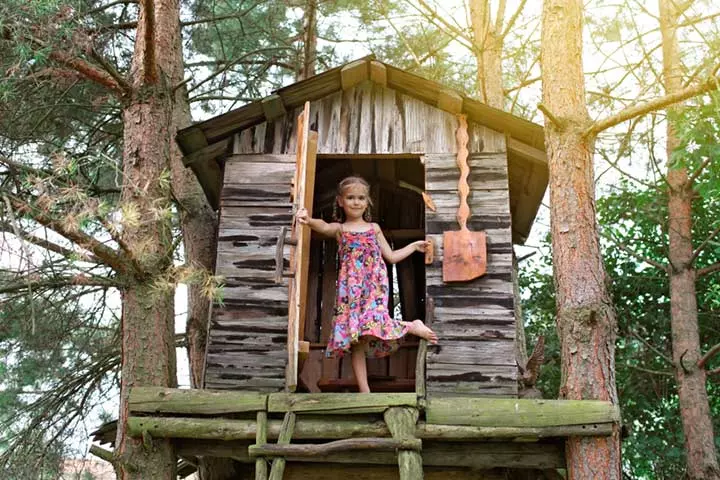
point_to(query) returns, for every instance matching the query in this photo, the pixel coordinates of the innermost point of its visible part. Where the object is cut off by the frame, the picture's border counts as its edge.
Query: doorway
(396, 183)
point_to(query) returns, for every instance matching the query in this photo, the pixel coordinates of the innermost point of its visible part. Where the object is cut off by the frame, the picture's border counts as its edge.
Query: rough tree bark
(148, 349)
(585, 317)
(309, 59)
(488, 46)
(702, 460)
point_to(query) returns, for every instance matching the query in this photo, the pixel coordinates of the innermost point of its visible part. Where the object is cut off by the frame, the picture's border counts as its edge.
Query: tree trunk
(702, 460)
(488, 46)
(309, 60)
(198, 221)
(585, 317)
(148, 347)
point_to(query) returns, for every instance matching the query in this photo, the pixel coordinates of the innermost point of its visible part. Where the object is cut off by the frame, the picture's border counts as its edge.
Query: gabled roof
(209, 141)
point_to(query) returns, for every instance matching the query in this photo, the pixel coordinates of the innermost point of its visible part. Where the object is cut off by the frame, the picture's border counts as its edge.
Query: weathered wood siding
(248, 331)
(474, 320)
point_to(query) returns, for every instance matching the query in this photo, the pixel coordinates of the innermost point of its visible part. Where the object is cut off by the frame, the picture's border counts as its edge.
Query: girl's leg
(359, 366)
(419, 329)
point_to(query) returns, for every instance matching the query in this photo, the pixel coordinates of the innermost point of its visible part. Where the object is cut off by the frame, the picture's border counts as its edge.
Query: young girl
(362, 324)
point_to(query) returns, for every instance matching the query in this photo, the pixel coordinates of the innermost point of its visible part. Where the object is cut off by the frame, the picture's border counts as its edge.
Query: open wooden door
(300, 257)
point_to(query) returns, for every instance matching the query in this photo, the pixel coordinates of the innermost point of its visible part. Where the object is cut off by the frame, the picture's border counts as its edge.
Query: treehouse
(448, 410)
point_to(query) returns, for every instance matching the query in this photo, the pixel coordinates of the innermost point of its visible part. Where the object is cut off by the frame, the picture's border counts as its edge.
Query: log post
(286, 431)
(401, 423)
(261, 470)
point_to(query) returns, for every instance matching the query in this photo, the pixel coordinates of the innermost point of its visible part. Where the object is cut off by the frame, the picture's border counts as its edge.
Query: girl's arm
(317, 224)
(395, 256)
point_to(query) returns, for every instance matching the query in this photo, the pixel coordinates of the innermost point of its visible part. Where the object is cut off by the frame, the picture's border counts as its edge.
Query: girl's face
(354, 201)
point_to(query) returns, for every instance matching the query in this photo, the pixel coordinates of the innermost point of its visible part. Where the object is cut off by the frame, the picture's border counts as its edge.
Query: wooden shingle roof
(207, 143)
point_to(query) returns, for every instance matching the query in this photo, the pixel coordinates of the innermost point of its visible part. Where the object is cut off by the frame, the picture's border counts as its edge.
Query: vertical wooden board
(415, 114)
(258, 145)
(365, 140)
(312, 320)
(278, 134)
(329, 289)
(398, 364)
(305, 187)
(383, 118)
(352, 105)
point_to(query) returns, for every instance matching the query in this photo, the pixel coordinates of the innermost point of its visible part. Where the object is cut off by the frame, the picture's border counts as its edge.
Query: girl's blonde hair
(338, 213)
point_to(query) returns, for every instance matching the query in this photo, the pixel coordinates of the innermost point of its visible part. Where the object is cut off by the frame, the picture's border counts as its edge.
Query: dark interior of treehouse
(398, 207)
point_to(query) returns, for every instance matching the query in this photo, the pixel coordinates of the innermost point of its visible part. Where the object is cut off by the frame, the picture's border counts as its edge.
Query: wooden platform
(452, 432)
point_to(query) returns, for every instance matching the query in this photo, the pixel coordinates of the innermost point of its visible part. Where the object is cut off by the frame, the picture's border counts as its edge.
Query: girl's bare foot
(419, 329)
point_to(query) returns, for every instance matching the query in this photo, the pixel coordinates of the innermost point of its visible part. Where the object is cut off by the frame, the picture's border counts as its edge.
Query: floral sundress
(362, 299)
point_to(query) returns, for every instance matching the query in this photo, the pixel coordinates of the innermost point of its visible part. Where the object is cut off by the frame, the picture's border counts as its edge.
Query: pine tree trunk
(702, 460)
(309, 60)
(488, 46)
(148, 347)
(585, 317)
(198, 221)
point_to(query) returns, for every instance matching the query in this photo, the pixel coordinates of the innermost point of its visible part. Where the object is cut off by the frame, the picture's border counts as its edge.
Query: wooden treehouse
(273, 402)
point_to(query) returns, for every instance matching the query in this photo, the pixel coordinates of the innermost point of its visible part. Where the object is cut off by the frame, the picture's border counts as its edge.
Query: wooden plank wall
(475, 320)
(248, 331)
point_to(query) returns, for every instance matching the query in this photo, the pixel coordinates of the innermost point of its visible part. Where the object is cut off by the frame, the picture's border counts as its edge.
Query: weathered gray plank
(497, 352)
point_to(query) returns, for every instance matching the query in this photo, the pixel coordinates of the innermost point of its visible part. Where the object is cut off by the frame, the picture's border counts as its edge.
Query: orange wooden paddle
(464, 252)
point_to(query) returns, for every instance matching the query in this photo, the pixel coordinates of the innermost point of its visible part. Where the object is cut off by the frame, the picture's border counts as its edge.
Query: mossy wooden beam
(184, 401)
(322, 449)
(336, 428)
(286, 431)
(339, 403)
(510, 412)
(401, 422)
(261, 467)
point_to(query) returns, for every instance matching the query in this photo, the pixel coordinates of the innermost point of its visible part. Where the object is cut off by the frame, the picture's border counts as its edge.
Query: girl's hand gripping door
(303, 190)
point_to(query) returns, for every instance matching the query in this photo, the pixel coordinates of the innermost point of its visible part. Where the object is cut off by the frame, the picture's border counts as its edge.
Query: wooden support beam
(207, 153)
(273, 107)
(278, 465)
(354, 73)
(450, 101)
(261, 466)
(378, 73)
(324, 428)
(510, 412)
(191, 139)
(526, 152)
(338, 403)
(325, 471)
(420, 364)
(445, 454)
(192, 401)
(322, 449)
(401, 422)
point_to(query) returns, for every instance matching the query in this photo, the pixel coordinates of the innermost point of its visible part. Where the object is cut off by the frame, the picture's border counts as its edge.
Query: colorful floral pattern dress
(362, 299)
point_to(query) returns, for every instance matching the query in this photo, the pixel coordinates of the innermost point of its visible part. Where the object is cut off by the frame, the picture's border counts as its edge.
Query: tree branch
(630, 251)
(653, 348)
(702, 246)
(110, 5)
(87, 70)
(513, 19)
(709, 269)
(109, 256)
(652, 105)
(698, 171)
(64, 281)
(104, 454)
(703, 361)
(51, 246)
